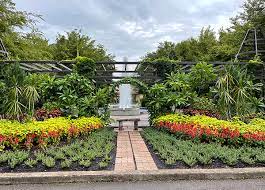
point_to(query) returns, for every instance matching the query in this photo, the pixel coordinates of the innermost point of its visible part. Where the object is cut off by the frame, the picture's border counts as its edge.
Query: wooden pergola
(147, 73)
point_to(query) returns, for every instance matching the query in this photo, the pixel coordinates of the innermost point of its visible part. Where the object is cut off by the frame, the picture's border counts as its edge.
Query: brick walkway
(132, 153)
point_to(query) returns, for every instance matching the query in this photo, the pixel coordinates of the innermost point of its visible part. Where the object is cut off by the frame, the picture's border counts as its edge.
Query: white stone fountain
(125, 106)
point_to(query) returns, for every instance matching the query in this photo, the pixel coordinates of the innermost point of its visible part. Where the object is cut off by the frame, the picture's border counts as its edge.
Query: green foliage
(202, 76)
(199, 49)
(66, 163)
(19, 96)
(103, 164)
(165, 66)
(48, 162)
(256, 61)
(85, 66)
(170, 149)
(31, 163)
(94, 146)
(43, 133)
(75, 95)
(175, 93)
(74, 44)
(236, 92)
(253, 12)
(203, 103)
(85, 163)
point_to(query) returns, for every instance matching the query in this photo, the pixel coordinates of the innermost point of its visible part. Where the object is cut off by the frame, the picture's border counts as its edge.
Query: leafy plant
(41, 133)
(203, 103)
(170, 149)
(85, 163)
(234, 90)
(49, 162)
(208, 129)
(202, 76)
(20, 93)
(66, 163)
(85, 66)
(31, 162)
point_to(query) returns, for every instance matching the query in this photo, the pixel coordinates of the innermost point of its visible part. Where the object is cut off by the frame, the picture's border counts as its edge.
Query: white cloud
(149, 28)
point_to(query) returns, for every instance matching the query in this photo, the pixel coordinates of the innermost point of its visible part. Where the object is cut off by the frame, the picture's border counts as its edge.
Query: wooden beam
(25, 68)
(53, 66)
(43, 66)
(30, 66)
(120, 77)
(62, 65)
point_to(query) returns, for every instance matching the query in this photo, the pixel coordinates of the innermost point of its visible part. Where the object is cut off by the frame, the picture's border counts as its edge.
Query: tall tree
(253, 12)
(75, 44)
(193, 49)
(21, 45)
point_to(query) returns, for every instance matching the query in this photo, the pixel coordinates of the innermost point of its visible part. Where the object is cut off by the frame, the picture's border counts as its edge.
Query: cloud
(149, 28)
(131, 28)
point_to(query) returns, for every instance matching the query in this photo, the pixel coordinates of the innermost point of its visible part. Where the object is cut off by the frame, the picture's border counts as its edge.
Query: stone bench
(135, 120)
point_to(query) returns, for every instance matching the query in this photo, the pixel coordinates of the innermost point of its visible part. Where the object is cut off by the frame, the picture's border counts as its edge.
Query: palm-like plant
(235, 91)
(20, 93)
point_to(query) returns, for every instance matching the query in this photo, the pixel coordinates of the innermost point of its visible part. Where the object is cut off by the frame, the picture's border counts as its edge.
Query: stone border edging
(112, 176)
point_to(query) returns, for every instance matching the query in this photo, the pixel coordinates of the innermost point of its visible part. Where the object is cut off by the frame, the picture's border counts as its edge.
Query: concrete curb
(112, 176)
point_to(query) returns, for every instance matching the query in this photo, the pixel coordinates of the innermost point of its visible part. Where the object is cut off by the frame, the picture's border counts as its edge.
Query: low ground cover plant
(42, 133)
(208, 129)
(94, 151)
(172, 150)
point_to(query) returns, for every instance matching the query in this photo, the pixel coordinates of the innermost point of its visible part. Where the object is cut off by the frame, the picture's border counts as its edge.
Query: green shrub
(48, 161)
(85, 66)
(202, 76)
(66, 163)
(203, 103)
(31, 162)
(85, 163)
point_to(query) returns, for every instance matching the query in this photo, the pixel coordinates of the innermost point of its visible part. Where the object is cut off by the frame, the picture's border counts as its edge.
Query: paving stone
(132, 153)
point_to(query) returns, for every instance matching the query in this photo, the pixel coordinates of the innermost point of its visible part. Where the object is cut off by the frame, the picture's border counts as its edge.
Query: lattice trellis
(252, 44)
(3, 52)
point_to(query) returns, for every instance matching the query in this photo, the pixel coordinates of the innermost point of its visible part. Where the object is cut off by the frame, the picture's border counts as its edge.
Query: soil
(74, 166)
(181, 165)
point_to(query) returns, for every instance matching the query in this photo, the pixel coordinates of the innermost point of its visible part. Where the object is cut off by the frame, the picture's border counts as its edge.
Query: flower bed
(94, 151)
(168, 151)
(41, 133)
(209, 129)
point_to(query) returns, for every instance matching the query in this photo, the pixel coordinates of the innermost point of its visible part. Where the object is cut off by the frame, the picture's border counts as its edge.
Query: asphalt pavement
(249, 184)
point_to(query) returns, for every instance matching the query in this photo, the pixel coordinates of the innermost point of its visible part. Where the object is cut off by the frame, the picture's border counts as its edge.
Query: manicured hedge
(208, 129)
(41, 133)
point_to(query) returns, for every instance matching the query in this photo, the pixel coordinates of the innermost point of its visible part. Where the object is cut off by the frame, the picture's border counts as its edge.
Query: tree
(31, 45)
(193, 49)
(11, 18)
(253, 12)
(75, 44)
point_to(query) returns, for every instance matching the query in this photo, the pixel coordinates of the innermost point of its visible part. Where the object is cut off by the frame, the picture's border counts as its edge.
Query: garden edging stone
(114, 176)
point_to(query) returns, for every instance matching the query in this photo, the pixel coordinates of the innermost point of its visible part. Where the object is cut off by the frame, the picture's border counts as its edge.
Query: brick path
(132, 153)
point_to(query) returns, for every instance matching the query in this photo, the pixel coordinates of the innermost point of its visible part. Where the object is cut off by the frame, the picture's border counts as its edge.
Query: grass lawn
(95, 151)
(170, 152)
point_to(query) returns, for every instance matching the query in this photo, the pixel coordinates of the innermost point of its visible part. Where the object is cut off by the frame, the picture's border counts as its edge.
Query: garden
(207, 117)
(51, 123)
(203, 113)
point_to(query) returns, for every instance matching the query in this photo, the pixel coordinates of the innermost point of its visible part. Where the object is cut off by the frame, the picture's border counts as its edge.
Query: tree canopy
(75, 44)
(33, 45)
(209, 46)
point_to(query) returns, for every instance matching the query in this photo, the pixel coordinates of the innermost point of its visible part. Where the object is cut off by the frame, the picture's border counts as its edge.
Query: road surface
(257, 184)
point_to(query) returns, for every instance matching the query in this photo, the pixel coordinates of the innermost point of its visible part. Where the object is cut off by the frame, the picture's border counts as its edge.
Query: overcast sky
(131, 27)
